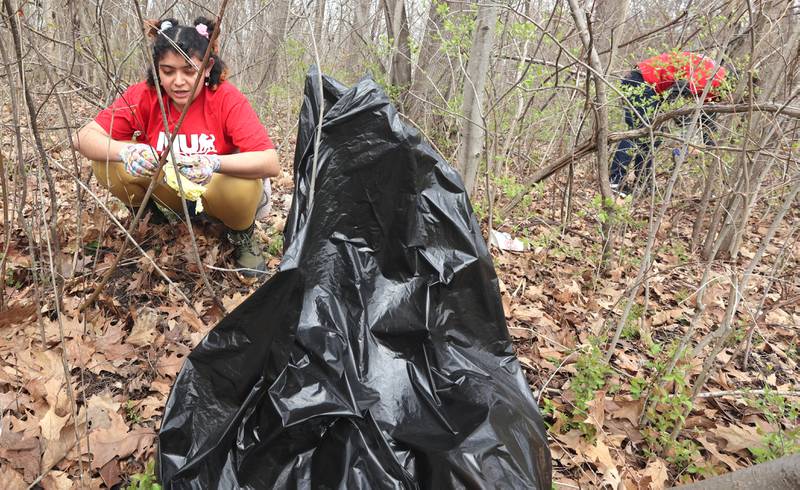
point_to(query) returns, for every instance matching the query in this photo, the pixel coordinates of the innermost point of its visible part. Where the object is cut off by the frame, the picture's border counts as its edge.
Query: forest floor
(125, 351)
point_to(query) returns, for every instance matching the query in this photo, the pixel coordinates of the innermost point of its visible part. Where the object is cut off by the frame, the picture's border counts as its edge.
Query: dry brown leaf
(57, 450)
(12, 399)
(738, 437)
(527, 314)
(56, 394)
(506, 300)
(21, 452)
(110, 349)
(597, 411)
(110, 473)
(656, 472)
(601, 457)
(521, 332)
(57, 480)
(160, 387)
(629, 410)
(11, 479)
(150, 407)
(170, 365)
(117, 441)
(102, 411)
(79, 352)
(729, 461)
(627, 362)
(778, 316)
(666, 316)
(66, 447)
(564, 296)
(52, 424)
(527, 362)
(16, 314)
(234, 301)
(571, 439)
(195, 323)
(144, 329)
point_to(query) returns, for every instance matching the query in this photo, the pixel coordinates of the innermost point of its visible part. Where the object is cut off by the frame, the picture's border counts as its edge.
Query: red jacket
(661, 72)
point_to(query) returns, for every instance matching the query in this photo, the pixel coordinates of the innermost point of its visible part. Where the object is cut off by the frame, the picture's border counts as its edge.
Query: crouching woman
(221, 142)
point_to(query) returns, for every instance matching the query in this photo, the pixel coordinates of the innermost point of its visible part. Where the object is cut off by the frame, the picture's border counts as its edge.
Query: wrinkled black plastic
(378, 356)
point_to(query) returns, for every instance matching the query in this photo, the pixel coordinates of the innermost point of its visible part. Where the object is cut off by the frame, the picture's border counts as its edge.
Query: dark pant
(645, 102)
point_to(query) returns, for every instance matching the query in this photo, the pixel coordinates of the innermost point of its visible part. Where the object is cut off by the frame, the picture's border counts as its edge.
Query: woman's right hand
(139, 159)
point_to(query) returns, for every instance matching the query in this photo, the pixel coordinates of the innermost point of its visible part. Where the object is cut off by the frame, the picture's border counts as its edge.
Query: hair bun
(210, 24)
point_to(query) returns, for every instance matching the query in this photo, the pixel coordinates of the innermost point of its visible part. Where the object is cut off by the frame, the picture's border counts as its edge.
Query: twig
(318, 134)
(64, 362)
(22, 176)
(744, 393)
(571, 357)
(34, 129)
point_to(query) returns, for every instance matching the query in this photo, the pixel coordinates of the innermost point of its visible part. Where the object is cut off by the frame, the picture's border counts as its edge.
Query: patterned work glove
(139, 159)
(198, 168)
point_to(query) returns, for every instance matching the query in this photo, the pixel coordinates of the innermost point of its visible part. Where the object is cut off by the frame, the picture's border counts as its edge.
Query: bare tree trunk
(473, 128)
(425, 72)
(601, 129)
(609, 18)
(397, 28)
(359, 35)
(752, 169)
(319, 21)
(274, 42)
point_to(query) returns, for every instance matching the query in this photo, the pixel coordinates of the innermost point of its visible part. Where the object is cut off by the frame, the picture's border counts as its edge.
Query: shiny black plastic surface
(378, 356)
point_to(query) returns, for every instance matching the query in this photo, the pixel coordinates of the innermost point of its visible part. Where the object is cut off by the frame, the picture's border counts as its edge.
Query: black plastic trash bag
(378, 356)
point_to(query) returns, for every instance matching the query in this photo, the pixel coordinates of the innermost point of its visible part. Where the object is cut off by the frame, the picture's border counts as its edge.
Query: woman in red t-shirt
(221, 143)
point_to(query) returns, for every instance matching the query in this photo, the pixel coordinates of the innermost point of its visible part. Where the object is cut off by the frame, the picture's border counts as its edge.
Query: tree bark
(473, 128)
(424, 73)
(601, 129)
(319, 21)
(397, 28)
(609, 17)
(780, 474)
(274, 42)
(751, 169)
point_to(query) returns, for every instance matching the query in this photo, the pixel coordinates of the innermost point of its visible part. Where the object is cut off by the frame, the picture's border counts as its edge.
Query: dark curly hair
(177, 37)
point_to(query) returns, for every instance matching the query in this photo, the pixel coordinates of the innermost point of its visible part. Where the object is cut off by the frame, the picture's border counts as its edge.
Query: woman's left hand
(198, 168)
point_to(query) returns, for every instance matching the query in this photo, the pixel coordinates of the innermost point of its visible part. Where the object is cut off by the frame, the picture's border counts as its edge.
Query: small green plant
(132, 412)
(548, 408)
(591, 372)
(782, 414)
(670, 402)
(681, 295)
(638, 386)
(508, 185)
(630, 331)
(275, 246)
(146, 480)
(11, 279)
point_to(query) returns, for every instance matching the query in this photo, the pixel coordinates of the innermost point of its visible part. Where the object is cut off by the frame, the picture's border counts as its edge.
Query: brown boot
(248, 253)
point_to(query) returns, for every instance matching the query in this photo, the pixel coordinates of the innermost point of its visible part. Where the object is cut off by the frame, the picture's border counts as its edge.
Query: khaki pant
(232, 200)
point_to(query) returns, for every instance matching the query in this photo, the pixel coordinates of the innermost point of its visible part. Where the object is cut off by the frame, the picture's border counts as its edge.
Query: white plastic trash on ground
(505, 241)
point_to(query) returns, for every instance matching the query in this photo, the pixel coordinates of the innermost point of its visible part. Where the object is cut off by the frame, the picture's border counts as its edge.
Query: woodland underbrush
(676, 398)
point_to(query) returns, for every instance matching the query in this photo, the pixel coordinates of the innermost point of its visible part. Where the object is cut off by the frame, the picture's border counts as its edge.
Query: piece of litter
(504, 241)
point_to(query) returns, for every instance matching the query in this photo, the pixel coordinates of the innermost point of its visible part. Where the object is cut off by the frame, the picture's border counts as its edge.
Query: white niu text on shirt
(188, 144)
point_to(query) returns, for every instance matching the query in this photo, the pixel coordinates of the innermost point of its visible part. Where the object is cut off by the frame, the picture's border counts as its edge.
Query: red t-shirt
(218, 122)
(661, 72)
